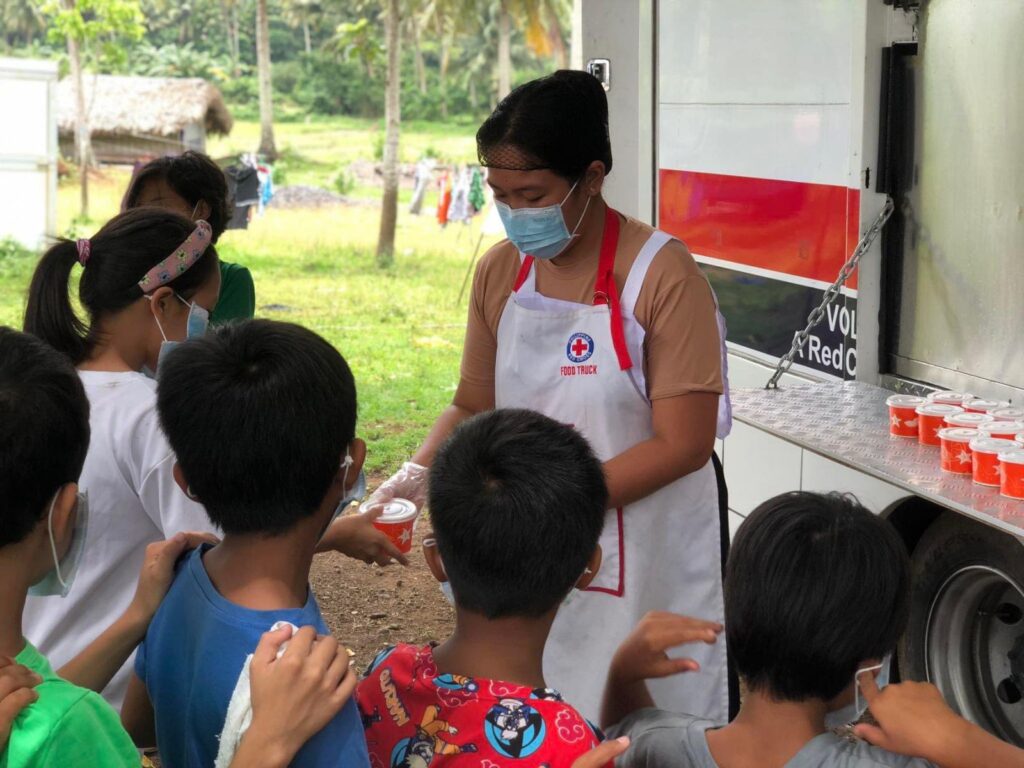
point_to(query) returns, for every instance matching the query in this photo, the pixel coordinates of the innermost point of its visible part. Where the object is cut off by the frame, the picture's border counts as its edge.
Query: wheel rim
(974, 649)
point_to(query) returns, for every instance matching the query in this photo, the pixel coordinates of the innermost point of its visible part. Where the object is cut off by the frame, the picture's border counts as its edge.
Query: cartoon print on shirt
(457, 683)
(514, 728)
(419, 750)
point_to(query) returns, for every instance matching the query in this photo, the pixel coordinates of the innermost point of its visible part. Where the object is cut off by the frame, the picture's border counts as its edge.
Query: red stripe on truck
(798, 229)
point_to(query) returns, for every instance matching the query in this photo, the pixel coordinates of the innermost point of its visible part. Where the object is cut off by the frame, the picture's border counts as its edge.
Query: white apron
(573, 363)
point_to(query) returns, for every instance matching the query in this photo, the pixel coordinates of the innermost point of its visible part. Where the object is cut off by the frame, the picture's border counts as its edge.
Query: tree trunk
(392, 116)
(83, 145)
(421, 68)
(236, 44)
(305, 34)
(267, 146)
(442, 73)
(504, 51)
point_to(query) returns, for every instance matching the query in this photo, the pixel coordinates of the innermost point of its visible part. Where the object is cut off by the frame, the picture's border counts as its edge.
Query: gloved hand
(409, 482)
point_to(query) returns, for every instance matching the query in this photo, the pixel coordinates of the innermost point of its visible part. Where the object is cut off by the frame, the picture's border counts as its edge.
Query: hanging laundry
(477, 199)
(444, 199)
(424, 175)
(460, 210)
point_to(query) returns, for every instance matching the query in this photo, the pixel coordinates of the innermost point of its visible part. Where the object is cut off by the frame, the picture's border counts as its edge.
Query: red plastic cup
(1009, 414)
(955, 454)
(398, 523)
(979, 405)
(1002, 430)
(968, 420)
(950, 398)
(931, 419)
(985, 459)
(903, 414)
(1011, 465)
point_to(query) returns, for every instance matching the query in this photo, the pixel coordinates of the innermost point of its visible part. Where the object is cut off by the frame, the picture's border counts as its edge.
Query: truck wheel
(966, 629)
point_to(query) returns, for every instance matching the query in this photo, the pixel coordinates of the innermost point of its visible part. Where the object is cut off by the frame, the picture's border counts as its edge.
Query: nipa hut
(132, 118)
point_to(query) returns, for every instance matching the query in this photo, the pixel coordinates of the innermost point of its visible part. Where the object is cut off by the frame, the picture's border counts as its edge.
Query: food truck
(793, 143)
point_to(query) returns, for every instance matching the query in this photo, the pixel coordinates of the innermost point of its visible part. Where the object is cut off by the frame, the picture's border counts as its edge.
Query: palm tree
(267, 145)
(300, 13)
(535, 18)
(393, 117)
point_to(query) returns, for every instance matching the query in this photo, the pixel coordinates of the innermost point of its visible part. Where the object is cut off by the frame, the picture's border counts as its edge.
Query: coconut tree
(538, 19)
(301, 14)
(392, 118)
(267, 146)
(101, 26)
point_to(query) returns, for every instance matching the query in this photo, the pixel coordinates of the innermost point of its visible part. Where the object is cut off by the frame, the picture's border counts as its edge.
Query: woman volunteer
(599, 321)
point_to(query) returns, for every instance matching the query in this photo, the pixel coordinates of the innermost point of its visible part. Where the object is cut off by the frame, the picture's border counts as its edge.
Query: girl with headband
(149, 279)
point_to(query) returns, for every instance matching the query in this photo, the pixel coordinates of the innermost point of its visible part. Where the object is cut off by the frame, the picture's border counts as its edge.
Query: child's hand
(356, 536)
(296, 695)
(643, 655)
(602, 755)
(158, 571)
(913, 719)
(16, 684)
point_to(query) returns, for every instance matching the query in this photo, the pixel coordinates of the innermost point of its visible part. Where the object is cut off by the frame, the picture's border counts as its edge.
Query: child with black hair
(195, 186)
(149, 280)
(289, 401)
(517, 503)
(816, 596)
(48, 719)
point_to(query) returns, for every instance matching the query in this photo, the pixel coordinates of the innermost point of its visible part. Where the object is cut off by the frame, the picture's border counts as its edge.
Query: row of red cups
(982, 438)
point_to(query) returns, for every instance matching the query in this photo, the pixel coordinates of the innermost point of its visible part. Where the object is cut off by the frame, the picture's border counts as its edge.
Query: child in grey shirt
(816, 596)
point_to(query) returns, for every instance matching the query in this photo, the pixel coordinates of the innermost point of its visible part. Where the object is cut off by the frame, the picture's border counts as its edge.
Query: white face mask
(446, 586)
(58, 581)
(853, 712)
(357, 493)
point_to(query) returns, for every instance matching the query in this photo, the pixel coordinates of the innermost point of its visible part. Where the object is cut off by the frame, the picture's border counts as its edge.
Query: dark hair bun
(558, 122)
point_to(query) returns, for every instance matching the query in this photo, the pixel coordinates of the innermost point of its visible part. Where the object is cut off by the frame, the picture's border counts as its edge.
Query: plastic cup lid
(1008, 414)
(958, 434)
(952, 398)
(904, 401)
(398, 511)
(992, 445)
(1003, 427)
(974, 419)
(979, 404)
(1015, 456)
(938, 409)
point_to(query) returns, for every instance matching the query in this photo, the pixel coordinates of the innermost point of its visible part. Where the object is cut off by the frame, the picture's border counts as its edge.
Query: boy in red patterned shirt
(517, 502)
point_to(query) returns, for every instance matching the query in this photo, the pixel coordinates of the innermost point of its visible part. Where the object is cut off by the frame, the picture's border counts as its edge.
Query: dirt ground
(368, 607)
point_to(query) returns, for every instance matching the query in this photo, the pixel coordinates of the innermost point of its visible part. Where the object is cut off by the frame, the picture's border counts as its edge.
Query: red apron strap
(605, 291)
(524, 272)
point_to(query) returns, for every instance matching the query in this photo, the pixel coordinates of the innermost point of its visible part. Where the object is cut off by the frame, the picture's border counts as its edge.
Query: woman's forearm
(647, 467)
(95, 666)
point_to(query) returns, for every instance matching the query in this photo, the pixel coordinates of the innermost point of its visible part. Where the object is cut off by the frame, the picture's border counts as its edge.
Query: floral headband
(179, 262)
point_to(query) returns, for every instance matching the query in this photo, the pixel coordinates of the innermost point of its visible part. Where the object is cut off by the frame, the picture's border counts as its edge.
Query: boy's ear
(63, 514)
(202, 210)
(357, 450)
(182, 481)
(590, 572)
(433, 557)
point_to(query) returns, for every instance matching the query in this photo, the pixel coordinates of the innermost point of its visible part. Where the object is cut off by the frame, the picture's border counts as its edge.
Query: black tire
(966, 628)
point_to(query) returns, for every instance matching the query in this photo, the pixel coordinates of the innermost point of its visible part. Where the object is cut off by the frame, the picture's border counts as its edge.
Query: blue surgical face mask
(58, 581)
(195, 326)
(539, 232)
(853, 711)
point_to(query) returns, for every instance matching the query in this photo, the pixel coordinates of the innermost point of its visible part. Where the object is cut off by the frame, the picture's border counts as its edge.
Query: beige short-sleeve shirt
(682, 352)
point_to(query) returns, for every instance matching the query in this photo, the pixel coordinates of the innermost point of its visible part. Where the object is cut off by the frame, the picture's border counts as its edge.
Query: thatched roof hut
(136, 117)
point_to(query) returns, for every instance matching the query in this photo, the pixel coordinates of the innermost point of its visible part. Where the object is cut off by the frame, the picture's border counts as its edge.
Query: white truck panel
(824, 475)
(790, 142)
(744, 52)
(758, 466)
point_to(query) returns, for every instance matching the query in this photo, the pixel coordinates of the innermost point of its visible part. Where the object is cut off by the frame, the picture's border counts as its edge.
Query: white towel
(239, 716)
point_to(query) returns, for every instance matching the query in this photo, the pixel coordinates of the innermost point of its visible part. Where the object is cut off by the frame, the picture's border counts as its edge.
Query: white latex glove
(410, 483)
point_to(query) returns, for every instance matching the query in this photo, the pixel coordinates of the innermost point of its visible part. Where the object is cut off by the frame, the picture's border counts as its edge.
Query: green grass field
(400, 329)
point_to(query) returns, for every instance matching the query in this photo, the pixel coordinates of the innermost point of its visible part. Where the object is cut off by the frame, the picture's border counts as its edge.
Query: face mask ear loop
(585, 208)
(347, 463)
(569, 193)
(157, 320)
(856, 687)
(53, 544)
(194, 209)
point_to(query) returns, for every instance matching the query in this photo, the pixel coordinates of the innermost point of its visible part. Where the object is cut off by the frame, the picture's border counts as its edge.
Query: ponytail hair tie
(84, 248)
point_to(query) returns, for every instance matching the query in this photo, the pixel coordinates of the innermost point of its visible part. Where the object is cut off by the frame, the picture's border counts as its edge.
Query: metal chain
(818, 313)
